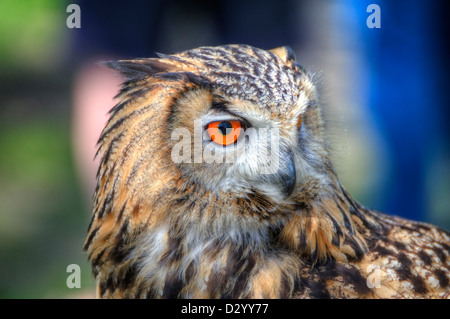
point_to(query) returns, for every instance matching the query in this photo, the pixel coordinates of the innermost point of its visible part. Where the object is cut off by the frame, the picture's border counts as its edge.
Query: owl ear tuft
(285, 53)
(134, 69)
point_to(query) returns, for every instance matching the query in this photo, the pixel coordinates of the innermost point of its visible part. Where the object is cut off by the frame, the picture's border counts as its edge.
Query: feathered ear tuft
(285, 53)
(135, 69)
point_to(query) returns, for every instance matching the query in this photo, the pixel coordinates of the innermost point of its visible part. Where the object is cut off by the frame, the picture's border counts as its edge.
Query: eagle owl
(215, 181)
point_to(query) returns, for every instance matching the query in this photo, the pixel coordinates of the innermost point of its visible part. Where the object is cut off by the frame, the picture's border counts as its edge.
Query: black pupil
(225, 127)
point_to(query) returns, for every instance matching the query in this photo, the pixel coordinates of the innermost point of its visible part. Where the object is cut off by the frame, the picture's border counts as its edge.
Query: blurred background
(385, 91)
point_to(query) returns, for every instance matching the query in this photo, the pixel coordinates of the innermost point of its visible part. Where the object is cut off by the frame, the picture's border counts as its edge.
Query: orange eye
(224, 132)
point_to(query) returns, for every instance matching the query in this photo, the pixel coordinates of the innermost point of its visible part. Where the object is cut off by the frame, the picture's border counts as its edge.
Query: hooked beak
(284, 179)
(286, 175)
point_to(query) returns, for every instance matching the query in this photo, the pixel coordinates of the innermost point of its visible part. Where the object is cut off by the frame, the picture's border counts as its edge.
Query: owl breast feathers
(215, 182)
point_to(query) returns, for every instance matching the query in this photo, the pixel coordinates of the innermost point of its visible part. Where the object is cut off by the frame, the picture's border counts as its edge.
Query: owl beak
(287, 175)
(284, 178)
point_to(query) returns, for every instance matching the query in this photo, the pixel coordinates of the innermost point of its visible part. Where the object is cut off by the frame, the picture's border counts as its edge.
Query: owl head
(209, 157)
(230, 119)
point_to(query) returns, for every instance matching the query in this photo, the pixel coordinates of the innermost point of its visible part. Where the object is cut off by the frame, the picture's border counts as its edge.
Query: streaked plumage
(162, 229)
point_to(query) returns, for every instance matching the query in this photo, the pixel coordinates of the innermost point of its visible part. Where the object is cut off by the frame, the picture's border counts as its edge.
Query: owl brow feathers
(210, 67)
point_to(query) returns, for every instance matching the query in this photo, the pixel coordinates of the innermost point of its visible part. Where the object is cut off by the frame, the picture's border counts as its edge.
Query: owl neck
(205, 245)
(211, 246)
(327, 224)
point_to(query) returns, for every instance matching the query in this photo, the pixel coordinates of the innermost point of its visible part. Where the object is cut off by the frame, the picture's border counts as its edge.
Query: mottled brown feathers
(192, 229)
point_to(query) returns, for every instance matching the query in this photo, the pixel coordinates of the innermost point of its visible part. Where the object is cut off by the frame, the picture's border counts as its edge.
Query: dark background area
(385, 92)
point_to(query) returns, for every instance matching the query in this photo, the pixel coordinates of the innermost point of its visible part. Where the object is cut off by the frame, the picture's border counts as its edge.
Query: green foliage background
(43, 215)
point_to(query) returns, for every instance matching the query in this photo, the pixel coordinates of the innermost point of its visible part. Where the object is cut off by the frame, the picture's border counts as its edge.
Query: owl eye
(224, 132)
